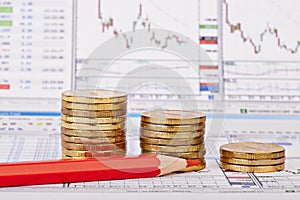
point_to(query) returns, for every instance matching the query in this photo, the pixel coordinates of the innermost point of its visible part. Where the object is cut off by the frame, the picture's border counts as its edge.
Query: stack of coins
(252, 157)
(93, 123)
(176, 133)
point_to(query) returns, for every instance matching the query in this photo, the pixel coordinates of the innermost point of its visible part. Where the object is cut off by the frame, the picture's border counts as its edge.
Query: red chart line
(257, 47)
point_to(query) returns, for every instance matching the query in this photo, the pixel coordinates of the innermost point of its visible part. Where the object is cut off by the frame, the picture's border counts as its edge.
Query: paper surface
(212, 179)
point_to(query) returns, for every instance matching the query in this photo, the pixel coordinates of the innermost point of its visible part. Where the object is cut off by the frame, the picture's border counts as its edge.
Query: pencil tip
(192, 162)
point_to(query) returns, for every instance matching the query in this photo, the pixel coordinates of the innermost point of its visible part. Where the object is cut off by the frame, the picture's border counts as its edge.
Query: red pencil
(92, 169)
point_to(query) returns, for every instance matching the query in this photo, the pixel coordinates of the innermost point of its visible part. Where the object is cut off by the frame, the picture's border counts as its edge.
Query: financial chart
(236, 61)
(261, 57)
(150, 50)
(258, 48)
(215, 58)
(103, 20)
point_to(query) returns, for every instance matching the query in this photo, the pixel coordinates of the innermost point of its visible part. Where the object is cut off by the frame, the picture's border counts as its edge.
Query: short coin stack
(93, 123)
(176, 133)
(252, 157)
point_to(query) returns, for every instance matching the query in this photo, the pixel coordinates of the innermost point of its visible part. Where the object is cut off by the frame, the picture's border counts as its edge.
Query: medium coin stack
(93, 123)
(176, 133)
(252, 157)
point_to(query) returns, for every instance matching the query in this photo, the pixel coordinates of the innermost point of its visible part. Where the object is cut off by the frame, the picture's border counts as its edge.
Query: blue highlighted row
(208, 88)
(37, 114)
(136, 115)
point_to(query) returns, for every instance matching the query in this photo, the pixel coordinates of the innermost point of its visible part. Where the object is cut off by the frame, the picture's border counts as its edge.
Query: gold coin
(252, 150)
(170, 135)
(93, 134)
(186, 155)
(201, 160)
(172, 142)
(169, 128)
(94, 96)
(94, 147)
(88, 154)
(239, 161)
(96, 127)
(71, 157)
(177, 149)
(85, 120)
(93, 140)
(251, 169)
(98, 107)
(84, 158)
(194, 168)
(173, 117)
(93, 114)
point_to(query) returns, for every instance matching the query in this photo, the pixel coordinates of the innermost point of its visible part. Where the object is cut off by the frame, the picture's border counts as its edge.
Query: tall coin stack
(252, 157)
(93, 123)
(176, 133)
